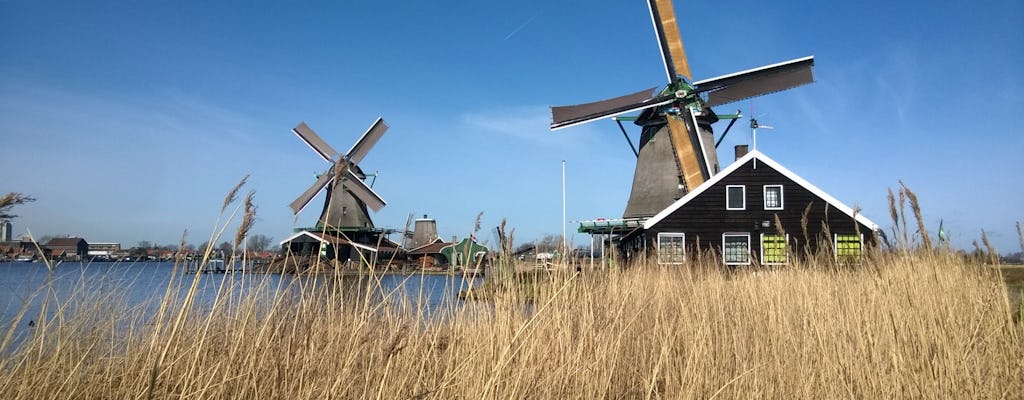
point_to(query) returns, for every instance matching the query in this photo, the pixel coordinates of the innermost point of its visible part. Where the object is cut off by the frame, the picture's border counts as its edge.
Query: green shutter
(848, 247)
(773, 249)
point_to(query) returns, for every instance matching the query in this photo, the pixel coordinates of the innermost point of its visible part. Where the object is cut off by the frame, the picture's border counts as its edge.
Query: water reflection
(142, 286)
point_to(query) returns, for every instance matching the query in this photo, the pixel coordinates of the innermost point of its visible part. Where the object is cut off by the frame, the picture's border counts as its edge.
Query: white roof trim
(322, 240)
(771, 163)
(307, 233)
(362, 246)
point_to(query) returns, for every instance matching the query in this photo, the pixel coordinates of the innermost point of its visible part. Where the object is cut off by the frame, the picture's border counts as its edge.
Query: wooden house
(465, 254)
(428, 255)
(70, 248)
(327, 246)
(736, 212)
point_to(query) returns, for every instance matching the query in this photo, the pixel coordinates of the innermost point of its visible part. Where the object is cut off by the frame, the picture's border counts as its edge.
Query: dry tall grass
(906, 324)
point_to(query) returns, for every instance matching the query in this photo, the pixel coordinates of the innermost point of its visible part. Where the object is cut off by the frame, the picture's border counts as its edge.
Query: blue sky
(130, 121)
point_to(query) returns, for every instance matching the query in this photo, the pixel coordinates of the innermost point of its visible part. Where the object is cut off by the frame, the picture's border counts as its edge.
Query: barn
(753, 212)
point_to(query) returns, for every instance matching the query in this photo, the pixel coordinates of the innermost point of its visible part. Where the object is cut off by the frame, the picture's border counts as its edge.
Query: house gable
(706, 218)
(750, 171)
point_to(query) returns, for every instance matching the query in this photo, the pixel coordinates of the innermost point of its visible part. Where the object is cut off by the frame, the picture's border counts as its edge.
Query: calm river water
(143, 284)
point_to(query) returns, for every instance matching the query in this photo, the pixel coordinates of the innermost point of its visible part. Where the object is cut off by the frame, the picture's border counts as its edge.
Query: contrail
(522, 26)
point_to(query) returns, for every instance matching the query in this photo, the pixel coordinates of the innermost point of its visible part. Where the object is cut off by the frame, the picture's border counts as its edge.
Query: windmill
(348, 196)
(677, 147)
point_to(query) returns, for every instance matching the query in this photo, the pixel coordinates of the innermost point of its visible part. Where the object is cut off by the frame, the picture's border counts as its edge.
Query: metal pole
(564, 249)
(591, 251)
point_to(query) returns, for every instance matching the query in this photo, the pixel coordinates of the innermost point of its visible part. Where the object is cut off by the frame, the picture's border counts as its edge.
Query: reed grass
(905, 324)
(911, 322)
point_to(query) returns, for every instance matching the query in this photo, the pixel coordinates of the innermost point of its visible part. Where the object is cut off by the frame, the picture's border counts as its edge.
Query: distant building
(465, 254)
(72, 248)
(104, 250)
(424, 232)
(429, 255)
(5, 231)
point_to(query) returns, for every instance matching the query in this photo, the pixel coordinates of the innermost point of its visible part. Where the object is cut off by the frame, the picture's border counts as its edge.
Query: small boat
(25, 258)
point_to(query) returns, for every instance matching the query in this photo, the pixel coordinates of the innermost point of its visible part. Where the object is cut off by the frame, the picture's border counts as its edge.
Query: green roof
(607, 226)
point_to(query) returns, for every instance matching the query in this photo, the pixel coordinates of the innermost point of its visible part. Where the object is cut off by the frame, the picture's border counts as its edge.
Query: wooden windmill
(677, 146)
(348, 196)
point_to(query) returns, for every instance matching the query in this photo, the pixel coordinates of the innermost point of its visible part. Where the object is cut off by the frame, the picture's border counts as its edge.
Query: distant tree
(45, 239)
(144, 244)
(9, 200)
(549, 243)
(259, 243)
(138, 251)
(225, 248)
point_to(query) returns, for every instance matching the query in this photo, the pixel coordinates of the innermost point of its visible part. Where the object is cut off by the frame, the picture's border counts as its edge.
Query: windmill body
(677, 145)
(658, 179)
(342, 209)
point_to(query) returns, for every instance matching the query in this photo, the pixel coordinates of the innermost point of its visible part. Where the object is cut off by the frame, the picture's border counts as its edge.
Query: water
(142, 285)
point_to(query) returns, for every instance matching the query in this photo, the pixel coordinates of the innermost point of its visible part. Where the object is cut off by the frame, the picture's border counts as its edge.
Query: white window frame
(724, 255)
(835, 245)
(782, 201)
(743, 197)
(671, 235)
(774, 263)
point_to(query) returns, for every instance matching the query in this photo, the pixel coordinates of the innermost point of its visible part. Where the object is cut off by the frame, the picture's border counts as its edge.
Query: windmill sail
(315, 142)
(366, 142)
(359, 188)
(756, 82)
(313, 190)
(672, 53)
(566, 116)
(689, 162)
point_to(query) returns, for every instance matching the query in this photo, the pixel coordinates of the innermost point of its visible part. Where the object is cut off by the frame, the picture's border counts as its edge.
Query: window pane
(773, 249)
(736, 249)
(670, 248)
(773, 197)
(848, 248)
(734, 197)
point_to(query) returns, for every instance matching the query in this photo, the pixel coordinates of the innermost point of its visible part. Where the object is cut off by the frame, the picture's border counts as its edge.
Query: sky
(130, 121)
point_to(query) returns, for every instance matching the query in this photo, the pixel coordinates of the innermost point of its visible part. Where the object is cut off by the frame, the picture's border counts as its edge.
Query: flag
(942, 233)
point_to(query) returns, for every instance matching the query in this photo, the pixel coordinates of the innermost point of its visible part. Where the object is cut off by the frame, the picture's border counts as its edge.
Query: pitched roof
(325, 238)
(70, 241)
(432, 242)
(754, 154)
(431, 248)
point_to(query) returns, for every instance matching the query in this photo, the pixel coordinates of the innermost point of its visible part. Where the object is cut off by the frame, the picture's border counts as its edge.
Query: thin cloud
(527, 123)
(520, 122)
(523, 25)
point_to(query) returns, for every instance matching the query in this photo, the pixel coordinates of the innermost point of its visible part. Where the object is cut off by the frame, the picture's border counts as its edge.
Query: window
(736, 248)
(671, 248)
(735, 197)
(774, 249)
(848, 247)
(772, 197)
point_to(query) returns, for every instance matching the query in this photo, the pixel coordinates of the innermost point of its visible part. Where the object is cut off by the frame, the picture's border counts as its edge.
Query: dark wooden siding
(705, 218)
